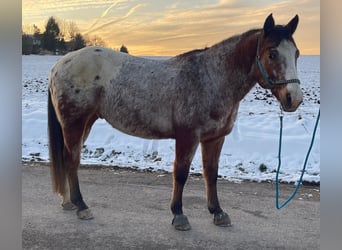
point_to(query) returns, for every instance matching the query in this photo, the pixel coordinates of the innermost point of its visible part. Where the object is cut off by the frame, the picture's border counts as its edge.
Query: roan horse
(193, 98)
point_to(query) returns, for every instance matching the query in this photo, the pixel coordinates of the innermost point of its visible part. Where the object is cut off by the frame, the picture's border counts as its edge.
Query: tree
(68, 29)
(124, 49)
(78, 42)
(73, 30)
(51, 35)
(36, 31)
(27, 44)
(37, 40)
(94, 41)
(61, 46)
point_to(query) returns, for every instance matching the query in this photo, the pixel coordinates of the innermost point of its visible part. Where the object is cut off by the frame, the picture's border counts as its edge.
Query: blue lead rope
(304, 166)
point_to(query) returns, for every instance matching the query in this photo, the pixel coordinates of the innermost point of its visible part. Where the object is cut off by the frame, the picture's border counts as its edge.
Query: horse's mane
(228, 40)
(234, 38)
(191, 53)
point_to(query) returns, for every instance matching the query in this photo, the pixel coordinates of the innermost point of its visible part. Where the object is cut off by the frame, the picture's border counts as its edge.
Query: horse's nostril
(288, 99)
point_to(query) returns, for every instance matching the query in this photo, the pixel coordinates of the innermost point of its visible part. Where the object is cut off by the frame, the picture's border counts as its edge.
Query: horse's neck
(235, 61)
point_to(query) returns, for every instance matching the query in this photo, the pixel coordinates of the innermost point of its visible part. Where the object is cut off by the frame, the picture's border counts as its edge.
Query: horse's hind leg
(74, 137)
(210, 156)
(65, 196)
(185, 150)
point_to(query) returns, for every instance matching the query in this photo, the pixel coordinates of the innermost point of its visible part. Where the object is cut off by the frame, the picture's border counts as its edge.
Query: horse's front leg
(210, 156)
(185, 150)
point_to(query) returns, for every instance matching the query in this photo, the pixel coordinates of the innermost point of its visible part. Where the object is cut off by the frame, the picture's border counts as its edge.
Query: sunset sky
(156, 27)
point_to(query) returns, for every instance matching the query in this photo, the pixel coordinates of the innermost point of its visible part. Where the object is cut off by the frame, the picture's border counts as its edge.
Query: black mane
(191, 53)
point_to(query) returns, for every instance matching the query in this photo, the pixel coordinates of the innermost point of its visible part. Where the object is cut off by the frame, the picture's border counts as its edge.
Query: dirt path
(131, 210)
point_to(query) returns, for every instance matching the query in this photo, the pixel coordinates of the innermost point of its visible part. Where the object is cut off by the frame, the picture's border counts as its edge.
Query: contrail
(103, 15)
(109, 8)
(130, 12)
(134, 9)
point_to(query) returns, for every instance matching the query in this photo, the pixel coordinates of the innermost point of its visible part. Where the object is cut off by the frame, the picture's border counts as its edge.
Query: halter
(270, 82)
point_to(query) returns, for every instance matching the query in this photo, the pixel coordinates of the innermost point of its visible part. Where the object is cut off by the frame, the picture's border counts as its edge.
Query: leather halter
(270, 82)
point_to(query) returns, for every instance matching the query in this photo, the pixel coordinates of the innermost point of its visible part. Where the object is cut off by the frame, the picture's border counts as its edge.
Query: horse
(192, 97)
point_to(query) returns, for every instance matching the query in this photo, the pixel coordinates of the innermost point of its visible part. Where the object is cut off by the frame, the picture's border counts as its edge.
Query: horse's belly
(141, 124)
(147, 132)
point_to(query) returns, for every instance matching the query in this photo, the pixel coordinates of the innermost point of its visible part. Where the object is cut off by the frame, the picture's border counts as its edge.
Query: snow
(249, 152)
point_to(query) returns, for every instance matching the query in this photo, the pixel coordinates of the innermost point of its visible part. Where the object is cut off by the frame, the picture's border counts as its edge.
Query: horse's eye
(273, 55)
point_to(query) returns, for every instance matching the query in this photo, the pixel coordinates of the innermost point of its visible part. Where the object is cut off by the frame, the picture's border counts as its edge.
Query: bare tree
(95, 41)
(73, 30)
(68, 29)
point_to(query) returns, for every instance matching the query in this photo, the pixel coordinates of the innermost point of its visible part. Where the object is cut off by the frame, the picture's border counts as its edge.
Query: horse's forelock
(278, 34)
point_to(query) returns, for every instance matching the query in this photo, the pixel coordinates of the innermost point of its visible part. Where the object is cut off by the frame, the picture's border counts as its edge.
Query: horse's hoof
(222, 219)
(68, 206)
(181, 223)
(85, 214)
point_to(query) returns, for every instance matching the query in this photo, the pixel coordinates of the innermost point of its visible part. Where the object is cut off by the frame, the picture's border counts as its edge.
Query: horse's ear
(268, 25)
(292, 25)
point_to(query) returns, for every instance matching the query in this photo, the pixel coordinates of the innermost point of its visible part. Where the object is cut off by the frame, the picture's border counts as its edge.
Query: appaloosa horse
(193, 98)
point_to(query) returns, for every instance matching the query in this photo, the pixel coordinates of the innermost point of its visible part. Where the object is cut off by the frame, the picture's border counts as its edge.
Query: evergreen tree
(27, 44)
(124, 49)
(37, 40)
(61, 46)
(78, 42)
(51, 34)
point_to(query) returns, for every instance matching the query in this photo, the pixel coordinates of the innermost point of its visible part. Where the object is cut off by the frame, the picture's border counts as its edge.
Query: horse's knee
(180, 176)
(211, 177)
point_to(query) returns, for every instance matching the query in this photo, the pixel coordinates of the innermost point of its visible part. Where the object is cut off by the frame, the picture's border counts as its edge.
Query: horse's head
(276, 60)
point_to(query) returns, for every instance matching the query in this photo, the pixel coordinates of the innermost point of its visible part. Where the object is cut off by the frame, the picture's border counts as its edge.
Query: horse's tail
(56, 148)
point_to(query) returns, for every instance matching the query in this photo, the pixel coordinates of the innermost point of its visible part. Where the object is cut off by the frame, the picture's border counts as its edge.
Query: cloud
(177, 25)
(185, 29)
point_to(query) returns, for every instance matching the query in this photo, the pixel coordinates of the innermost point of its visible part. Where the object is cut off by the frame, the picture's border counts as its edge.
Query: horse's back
(79, 77)
(87, 67)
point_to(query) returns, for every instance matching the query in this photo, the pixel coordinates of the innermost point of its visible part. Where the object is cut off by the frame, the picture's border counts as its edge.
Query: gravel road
(131, 210)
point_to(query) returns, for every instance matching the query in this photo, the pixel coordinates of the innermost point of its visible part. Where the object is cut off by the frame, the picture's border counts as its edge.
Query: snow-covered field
(250, 151)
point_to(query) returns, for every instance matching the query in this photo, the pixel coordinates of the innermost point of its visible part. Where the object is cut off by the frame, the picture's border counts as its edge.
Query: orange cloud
(158, 28)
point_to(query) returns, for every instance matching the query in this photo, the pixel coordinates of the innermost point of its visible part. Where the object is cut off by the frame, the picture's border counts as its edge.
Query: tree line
(59, 37)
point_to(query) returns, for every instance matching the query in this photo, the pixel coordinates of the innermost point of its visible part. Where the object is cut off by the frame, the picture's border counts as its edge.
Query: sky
(171, 27)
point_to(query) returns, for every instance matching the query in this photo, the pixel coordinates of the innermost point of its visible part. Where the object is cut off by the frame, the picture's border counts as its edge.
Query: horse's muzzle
(290, 96)
(291, 102)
